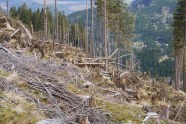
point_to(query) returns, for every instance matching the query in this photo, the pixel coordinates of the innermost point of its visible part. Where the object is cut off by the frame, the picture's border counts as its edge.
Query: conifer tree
(13, 12)
(179, 41)
(120, 21)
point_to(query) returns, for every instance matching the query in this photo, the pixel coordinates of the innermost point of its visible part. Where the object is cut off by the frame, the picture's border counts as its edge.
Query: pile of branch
(61, 104)
(130, 77)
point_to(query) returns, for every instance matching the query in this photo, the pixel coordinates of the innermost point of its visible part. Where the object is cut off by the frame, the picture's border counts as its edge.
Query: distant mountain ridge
(141, 3)
(68, 7)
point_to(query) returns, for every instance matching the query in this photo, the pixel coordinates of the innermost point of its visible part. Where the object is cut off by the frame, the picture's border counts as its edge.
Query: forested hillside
(112, 63)
(154, 19)
(153, 33)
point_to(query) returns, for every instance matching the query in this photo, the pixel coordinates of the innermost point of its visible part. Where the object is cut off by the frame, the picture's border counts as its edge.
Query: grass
(3, 74)
(15, 109)
(122, 113)
(62, 74)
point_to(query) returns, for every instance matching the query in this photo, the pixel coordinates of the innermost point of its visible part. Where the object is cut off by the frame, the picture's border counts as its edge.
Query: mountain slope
(64, 91)
(154, 30)
(68, 6)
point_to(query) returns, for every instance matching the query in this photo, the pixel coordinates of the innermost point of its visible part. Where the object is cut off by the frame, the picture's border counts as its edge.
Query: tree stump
(82, 119)
(165, 109)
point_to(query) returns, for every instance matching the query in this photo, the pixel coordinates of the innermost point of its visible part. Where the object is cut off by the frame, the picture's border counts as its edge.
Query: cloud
(3, 5)
(51, 2)
(77, 8)
(128, 1)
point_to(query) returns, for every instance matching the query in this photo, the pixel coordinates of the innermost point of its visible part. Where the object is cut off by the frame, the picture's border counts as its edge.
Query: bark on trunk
(184, 69)
(86, 30)
(105, 32)
(92, 30)
(178, 65)
(56, 19)
(7, 5)
(45, 21)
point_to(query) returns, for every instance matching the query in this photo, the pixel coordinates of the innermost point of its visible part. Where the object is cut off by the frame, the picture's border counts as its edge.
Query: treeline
(149, 29)
(119, 26)
(152, 61)
(70, 33)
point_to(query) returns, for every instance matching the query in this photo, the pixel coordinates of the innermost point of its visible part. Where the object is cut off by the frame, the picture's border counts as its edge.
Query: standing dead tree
(7, 5)
(45, 21)
(56, 21)
(105, 32)
(86, 28)
(92, 30)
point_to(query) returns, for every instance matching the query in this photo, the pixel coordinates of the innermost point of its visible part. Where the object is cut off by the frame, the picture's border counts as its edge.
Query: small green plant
(3, 74)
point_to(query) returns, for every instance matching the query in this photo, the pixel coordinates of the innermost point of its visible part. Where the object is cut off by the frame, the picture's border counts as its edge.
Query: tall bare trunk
(92, 30)
(45, 21)
(178, 70)
(105, 32)
(75, 36)
(184, 63)
(78, 44)
(56, 19)
(68, 35)
(86, 28)
(7, 5)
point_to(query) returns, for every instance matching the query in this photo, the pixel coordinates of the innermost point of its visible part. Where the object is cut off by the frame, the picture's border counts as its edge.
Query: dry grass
(3, 74)
(13, 78)
(16, 110)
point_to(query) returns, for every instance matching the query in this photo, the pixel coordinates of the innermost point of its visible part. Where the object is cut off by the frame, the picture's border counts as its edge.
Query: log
(113, 53)
(14, 33)
(8, 27)
(29, 35)
(90, 63)
(122, 56)
(6, 50)
(59, 54)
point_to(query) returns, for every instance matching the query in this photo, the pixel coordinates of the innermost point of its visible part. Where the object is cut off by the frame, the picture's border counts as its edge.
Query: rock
(147, 108)
(87, 84)
(48, 121)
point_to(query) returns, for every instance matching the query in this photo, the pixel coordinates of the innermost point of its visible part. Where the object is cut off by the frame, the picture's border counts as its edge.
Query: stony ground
(22, 75)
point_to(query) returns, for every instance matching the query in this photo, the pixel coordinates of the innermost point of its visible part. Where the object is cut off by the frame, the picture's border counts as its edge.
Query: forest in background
(93, 76)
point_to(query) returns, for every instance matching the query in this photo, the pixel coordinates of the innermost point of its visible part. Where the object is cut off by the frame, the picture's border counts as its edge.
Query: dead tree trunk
(56, 20)
(75, 36)
(105, 32)
(184, 60)
(78, 44)
(92, 30)
(7, 5)
(32, 28)
(184, 66)
(45, 21)
(165, 111)
(178, 70)
(86, 28)
(68, 35)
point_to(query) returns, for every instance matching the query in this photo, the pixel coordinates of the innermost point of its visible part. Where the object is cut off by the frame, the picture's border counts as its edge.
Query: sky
(68, 5)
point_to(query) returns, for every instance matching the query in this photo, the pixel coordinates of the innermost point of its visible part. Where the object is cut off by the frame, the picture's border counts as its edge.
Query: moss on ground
(62, 74)
(16, 110)
(122, 113)
(3, 74)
